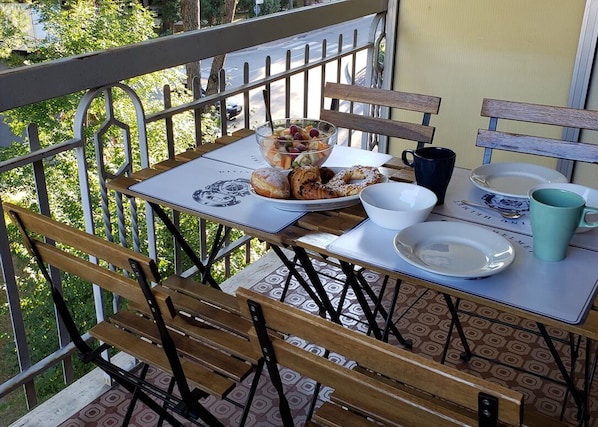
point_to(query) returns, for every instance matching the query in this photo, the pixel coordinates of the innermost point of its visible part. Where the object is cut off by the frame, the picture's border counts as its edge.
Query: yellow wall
(466, 50)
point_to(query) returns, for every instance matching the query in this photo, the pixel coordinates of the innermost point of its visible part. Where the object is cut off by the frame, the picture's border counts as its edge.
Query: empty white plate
(513, 179)
(454, 249)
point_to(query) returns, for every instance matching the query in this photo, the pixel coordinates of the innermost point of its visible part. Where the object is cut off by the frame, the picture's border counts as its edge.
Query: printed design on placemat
(223, 193)
(506, 203)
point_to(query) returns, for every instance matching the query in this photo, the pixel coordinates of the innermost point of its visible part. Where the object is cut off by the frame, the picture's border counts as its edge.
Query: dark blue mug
(433, 168)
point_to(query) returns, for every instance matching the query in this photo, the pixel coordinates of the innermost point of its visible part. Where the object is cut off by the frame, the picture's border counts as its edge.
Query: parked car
(232, 108)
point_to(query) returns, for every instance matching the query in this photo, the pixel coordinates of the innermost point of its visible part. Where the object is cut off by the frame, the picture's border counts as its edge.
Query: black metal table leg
(456, 323)
(378, 308)
(357, 290)
(579, 396)
(312, 274)
(206, 275)
(293, 272)
(219, 241)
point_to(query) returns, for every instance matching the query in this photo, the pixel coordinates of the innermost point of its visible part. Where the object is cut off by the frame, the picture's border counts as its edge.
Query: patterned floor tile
(513, 356)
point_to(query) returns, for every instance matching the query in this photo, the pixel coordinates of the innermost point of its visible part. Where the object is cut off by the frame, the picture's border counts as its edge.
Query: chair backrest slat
(537, 145)
(403, 366)
(87, 243)
(394, 99)
(494, 139)
(90, 272)
(391, 128)
(374, 99)
(545, 114)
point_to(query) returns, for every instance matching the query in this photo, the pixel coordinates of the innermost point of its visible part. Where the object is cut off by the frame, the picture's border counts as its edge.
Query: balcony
(294, 78)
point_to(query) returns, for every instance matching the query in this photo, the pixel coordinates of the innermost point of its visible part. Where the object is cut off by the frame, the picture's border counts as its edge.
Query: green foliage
(12, 32)
(245, 5)
(77, 27)
(169, 11)
(272, 6)
(211, 11)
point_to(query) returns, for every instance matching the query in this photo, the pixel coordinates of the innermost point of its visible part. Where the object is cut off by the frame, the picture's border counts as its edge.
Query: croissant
(306, 184)
(315, 191)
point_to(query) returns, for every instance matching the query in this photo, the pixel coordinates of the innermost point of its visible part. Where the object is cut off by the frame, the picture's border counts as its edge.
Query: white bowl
(397, 205)
(589, 194)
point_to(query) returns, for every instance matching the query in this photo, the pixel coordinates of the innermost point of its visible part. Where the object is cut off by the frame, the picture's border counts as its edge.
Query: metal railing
(101, 76)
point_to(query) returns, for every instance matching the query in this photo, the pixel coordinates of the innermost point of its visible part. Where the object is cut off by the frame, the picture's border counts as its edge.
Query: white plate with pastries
(311, 205)
(296, 205)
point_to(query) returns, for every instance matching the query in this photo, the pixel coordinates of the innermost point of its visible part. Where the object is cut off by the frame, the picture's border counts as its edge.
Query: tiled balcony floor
(425, 323)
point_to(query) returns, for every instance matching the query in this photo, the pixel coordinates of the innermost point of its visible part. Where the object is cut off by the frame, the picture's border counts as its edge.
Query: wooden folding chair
(190, 331)
(493, 139)
(373, 100)
(375, 383)
(379, 129)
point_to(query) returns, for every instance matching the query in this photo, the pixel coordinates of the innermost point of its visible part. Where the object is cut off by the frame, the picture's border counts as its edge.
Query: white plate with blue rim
(513, 179)
(454, 249)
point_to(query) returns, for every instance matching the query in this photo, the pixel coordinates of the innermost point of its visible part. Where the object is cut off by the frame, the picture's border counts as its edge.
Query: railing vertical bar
(197, 112)
(339, 61)
(224, 122)
(353, 61)
(44, 207)
(168, 123)
(16, 313)
(176, 216)
(223, 113)
(268, 73)
(287, 86)
(246, 95)
(306, 81)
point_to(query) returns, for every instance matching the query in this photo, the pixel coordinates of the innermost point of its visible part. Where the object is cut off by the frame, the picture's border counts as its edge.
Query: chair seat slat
(197, 376)
(396, 386)
(209, 357)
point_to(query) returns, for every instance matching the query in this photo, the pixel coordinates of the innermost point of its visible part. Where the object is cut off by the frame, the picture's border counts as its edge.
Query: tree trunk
(218, 62)
(190, 13)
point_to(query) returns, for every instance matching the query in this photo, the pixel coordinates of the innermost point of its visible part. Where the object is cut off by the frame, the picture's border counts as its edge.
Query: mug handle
(583, 222)
(404, 157)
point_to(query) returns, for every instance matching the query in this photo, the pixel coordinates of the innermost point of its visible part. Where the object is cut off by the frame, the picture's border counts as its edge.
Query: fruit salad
(293, 146)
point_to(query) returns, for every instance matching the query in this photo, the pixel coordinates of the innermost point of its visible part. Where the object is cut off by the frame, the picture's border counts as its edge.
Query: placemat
(246, 153)
(217, 189)
(461, 188)
(561, 290)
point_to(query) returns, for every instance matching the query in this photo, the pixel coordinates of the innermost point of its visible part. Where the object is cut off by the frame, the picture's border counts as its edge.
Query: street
(255, 58)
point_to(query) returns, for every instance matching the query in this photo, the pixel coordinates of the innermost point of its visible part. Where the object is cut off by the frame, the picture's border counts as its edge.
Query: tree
(12, 24)
(190, 13)
(218, 61)
(74, 28)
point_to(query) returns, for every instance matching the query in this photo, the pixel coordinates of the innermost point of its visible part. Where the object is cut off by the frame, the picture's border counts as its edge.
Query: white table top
(215, 185)
(560, 290)
(217, 189)
(245, 152)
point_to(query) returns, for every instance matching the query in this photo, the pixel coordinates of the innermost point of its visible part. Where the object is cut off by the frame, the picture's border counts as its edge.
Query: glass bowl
(296, 142)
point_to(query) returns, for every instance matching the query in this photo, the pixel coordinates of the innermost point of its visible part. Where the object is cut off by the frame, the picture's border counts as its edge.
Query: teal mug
(555, 215)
